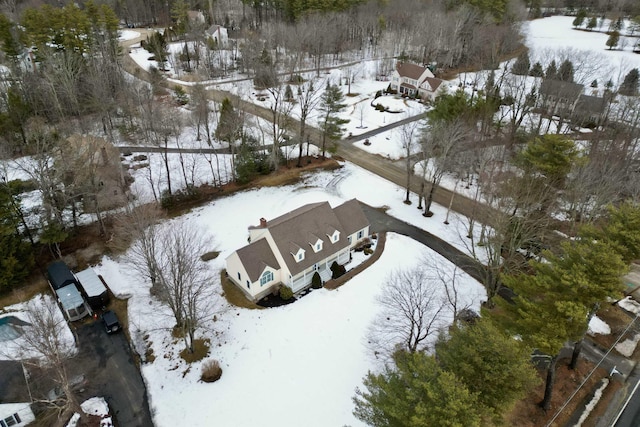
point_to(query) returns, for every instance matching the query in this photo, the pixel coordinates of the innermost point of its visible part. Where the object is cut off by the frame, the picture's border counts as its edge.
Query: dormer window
(335, 236)
(299, 256)
(317, 246)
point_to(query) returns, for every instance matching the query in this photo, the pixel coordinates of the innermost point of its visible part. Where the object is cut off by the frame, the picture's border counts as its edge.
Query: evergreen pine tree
(288, 93)
(16, 257)
(331, 103)
(580, 18)
(629, 86)
(522, 65)
(228, 129)
(552, 70)
(592, 23)
(565, 72)
(613, 40)
(537, 70)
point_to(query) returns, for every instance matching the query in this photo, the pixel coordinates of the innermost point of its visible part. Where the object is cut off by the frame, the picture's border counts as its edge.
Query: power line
(592, 371)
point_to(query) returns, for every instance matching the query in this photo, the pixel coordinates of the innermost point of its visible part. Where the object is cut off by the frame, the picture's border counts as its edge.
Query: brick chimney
(263, 223)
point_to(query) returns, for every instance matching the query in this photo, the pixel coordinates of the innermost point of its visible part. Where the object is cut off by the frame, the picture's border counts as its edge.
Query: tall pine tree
(331, 104)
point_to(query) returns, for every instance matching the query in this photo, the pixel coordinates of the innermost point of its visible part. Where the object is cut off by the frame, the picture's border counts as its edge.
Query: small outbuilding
(94, 289)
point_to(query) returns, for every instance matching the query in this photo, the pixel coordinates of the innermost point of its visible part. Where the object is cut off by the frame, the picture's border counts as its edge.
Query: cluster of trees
(477, 370)
(556, 299)
(475, 377)
(596, 7)
(16, 257)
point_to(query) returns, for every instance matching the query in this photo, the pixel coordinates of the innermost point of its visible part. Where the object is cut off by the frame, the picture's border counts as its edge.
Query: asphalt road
(107, 363)
(630, 416)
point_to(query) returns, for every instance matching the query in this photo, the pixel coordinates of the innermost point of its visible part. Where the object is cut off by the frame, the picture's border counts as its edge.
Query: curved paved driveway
(381, 222)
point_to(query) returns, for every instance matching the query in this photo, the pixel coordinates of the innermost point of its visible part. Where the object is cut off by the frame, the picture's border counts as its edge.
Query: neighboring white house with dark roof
(415, 80)
(291, 248)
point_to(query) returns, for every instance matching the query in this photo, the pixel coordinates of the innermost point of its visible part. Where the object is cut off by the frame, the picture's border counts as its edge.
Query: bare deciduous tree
(448, 279)
(412, 310)
(46, 343)
(280, 120)
(409, 143)
(308, 99)
(439, 146)
(170, 256)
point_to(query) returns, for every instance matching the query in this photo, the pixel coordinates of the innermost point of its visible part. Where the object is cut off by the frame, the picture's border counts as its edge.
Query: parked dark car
(110, 321)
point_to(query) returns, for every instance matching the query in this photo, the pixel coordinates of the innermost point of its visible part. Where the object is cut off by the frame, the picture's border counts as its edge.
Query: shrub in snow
(211, 371)
(337, 270)
(316, 281)
(286, 293)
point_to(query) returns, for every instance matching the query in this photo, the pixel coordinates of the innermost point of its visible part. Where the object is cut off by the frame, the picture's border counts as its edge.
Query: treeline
(601, 7)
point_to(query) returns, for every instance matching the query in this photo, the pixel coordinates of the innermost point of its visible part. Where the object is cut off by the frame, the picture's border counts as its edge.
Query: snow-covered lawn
(300, 363)
(95, 406)
(307, 357)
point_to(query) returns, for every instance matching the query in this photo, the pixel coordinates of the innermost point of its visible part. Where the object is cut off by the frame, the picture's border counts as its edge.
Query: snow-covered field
(556, 35)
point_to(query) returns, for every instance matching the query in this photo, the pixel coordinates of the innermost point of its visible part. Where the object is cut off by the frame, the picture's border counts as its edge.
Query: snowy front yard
(294, 365)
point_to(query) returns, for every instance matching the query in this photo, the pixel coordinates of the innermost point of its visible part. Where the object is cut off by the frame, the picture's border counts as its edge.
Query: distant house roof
(256, 257)
(559, 88)
(216, 29)
(407, 85)
(412, 71)
(433, 82)
(590, 104)
(13, 387)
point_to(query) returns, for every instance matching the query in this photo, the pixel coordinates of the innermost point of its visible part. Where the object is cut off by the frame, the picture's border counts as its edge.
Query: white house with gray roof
(291, 248)
(416, 80)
